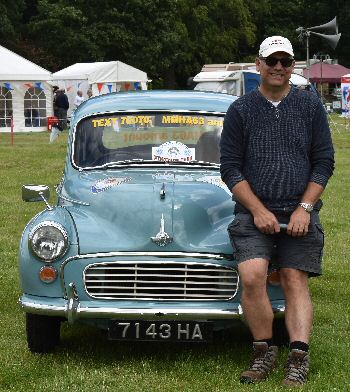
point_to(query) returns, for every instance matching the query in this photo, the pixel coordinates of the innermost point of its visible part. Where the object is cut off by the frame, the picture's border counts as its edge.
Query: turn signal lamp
(273, 278)
(48, 274)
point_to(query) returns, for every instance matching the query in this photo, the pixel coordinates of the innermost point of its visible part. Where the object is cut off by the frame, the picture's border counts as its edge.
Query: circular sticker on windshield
(173, 152)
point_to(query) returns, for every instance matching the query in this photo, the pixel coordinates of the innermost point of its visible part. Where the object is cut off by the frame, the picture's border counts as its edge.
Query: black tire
(43, 332)
(280, 333)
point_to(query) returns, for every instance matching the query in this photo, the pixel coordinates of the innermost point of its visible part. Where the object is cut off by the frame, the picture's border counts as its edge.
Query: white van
(238, 82)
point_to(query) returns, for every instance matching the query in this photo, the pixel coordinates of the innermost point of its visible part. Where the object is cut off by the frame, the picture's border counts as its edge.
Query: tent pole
(12, 131)
(307, 33)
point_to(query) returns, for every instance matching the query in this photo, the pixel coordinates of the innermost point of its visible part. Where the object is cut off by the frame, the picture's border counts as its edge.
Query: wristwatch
(307, 206)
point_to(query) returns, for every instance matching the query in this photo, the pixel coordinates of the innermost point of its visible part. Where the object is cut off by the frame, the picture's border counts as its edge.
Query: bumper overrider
(73, 309)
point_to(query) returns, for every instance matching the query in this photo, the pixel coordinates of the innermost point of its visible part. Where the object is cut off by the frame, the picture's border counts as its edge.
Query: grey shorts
(284, 251)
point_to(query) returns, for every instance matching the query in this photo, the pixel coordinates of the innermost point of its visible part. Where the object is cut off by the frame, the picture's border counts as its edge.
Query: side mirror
(36, 193)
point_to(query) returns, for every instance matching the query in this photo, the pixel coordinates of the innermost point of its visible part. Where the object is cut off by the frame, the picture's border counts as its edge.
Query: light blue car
(137, 244)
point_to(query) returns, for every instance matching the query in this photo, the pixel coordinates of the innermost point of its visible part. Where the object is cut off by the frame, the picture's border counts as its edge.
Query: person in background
(55, 90)
(347, 111)
(62, 105)
(78, 99)
(277, 157)
(89, 93)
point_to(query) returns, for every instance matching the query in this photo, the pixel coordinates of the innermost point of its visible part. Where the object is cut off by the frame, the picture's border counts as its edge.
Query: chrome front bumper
(72, 309)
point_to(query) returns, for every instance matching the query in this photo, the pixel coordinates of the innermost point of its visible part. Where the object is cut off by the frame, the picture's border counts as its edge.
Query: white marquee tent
(101, 77)
(25, 94)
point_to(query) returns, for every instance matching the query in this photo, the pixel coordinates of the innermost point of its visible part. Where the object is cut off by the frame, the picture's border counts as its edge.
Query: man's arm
(232, 155)
(232, 148)
(322, 162)
(300, 219)
(322, 151)
(264, 219)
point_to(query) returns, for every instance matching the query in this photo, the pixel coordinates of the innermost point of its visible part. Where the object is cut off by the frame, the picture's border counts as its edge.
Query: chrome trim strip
(157, 165)
(83, 203)
(154, 254)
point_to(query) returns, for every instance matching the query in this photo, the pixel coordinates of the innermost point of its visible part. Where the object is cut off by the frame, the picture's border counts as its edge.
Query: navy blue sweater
(278, 150)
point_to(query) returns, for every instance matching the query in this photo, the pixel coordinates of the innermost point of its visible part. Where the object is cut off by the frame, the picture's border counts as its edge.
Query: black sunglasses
(272, 61)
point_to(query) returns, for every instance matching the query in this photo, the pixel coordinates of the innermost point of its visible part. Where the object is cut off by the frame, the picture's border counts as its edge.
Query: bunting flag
(137, 85)
(100, 86)
(8, 86)
(127, 86)
(69, 88)
(79, 84)
(29, 85)
(110, 87)
(38, 85)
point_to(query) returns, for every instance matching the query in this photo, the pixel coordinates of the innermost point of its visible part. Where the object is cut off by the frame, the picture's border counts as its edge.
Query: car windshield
(156, 138)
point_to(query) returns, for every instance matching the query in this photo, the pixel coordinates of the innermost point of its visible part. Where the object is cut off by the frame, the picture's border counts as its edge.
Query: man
(78, 99)
(55, 90)
(276, 157)
(62, 104)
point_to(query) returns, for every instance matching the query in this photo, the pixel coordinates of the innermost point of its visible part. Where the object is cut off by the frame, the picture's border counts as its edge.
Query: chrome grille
(168, 280)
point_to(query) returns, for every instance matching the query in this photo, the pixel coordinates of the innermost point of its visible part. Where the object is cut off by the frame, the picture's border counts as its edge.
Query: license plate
(180, 331)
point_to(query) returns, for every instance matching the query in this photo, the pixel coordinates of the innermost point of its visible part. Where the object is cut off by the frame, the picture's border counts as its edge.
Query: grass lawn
(87, 361)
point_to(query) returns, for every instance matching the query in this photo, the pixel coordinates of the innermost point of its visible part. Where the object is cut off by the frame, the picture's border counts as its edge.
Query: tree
(219, 31)
(169, 39)
(10, 19)
(284, 18)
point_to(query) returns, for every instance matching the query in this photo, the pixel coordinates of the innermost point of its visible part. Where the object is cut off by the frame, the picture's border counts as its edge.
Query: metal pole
(321, 79)
(12, 131)
(307, 33)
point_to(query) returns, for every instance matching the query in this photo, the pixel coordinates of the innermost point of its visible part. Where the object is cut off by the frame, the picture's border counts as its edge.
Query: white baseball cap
(275, 44)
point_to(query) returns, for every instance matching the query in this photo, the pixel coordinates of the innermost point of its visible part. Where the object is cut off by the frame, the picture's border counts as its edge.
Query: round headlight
(49, 241)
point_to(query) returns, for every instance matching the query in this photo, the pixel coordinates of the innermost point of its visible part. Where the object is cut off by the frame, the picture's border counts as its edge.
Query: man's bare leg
(255, 301)
(299, 317)
(259, 315)
(299, 308)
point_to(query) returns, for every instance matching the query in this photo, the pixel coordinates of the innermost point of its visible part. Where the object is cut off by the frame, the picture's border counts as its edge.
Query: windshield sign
(147, 137)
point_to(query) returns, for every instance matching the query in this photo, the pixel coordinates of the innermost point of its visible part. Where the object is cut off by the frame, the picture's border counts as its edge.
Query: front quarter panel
(30, 264)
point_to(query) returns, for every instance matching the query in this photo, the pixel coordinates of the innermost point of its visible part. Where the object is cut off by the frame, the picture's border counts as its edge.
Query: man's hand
(299, 223)
(266, 221)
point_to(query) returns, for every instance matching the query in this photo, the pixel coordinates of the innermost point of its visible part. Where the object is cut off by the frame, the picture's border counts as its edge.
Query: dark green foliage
(10, 17)
(169, 39)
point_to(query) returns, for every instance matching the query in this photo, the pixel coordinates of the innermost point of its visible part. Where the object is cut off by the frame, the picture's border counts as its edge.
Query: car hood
(147, 210)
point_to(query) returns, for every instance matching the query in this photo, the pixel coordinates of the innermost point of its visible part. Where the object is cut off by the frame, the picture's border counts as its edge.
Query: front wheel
(43, 332)
(280, 333)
